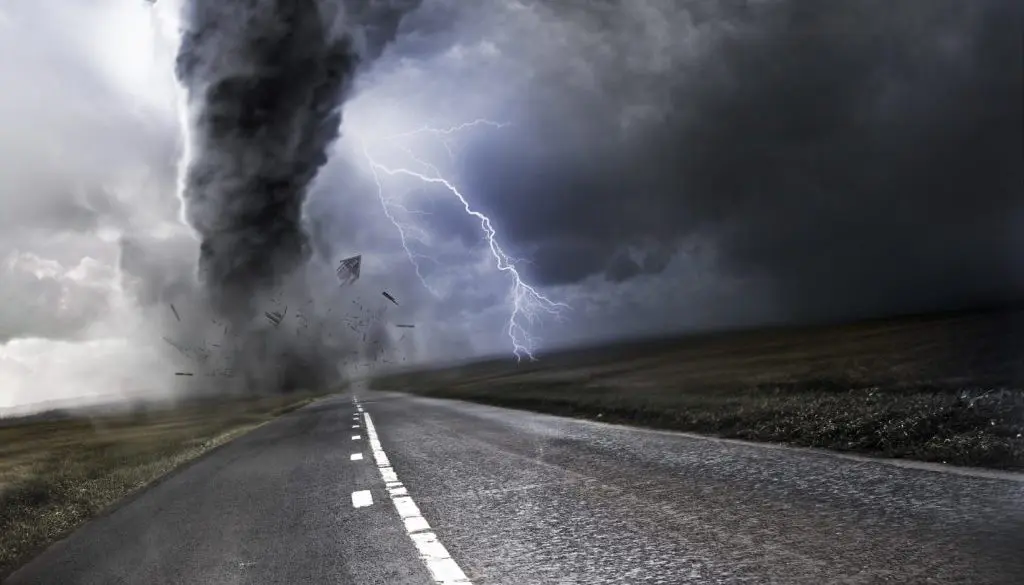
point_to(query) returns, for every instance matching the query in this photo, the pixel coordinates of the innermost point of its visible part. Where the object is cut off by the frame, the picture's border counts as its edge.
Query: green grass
(56, 474)
(946, 388)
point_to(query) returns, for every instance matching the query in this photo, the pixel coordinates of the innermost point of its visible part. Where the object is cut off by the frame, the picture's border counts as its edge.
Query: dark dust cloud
(848, 158)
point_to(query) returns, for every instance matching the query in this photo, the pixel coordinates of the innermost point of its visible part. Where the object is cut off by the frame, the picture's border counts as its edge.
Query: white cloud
(46, 299)
(86, 156)
(41, 370)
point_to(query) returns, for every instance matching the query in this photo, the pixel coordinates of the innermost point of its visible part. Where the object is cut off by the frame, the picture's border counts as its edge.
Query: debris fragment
(274, 317)
(388, 296)
(181, 349)
(405, 326)
(183, 374)
(348, 270)
(175, 311)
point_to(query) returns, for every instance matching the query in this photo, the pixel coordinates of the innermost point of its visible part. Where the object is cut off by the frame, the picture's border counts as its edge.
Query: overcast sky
(660, 166)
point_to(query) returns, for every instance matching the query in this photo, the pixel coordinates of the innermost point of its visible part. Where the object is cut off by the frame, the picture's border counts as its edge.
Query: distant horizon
(1008, 306)
(113, 401)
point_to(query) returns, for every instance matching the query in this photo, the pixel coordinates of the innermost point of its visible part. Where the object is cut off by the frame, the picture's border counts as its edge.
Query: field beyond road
(58, 471)
(945, 388)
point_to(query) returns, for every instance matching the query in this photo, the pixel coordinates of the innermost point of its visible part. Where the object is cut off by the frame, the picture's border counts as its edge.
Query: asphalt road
(501, 496)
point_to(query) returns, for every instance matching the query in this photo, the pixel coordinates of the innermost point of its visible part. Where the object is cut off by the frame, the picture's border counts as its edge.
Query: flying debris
(274, 317)
(183, 374)
(405, 326)
(389, 297)
(175, 311)
(348, 270)
(181, 349)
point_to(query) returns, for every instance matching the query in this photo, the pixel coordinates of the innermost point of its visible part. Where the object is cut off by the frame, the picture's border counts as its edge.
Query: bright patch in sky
(134, 46)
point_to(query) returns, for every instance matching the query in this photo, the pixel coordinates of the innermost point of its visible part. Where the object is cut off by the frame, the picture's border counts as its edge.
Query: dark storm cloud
(375, 24)
(850, 157)
(622, 267)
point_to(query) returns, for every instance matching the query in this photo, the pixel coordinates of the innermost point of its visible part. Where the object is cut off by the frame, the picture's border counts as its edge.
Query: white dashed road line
(362, 498)
(441, 565)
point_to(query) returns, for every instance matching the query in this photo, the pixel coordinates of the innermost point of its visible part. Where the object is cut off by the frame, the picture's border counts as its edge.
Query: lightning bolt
(403, 231)
(527, 303)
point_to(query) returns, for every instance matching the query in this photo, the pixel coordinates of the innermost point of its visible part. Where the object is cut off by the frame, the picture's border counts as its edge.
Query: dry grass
(946, 388)
(56, 474)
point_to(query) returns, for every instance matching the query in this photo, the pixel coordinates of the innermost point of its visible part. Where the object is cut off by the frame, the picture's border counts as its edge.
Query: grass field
(946, 388)
(56, 473)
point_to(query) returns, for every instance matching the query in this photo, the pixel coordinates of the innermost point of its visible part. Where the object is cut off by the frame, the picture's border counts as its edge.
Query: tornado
(264, 82)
